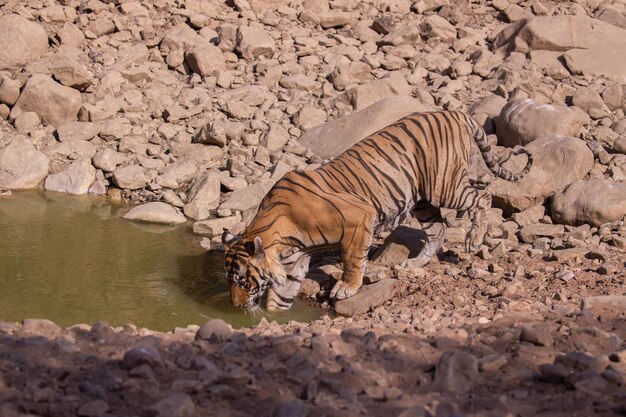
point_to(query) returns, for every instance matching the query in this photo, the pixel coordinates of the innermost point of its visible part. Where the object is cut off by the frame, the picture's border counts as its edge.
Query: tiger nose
(237, 296)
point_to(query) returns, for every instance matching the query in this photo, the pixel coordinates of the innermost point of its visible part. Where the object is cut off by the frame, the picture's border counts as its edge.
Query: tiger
(417, 165)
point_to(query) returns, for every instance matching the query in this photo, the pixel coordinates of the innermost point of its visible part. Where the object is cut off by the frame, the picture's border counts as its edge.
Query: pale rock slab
(334, 137)
(558, 161)
(75, 179)
(53, 102)
(77, 131)
(204, 196)
(156, 212)
(525, 120)
(21, 41)
(593, 202)
(131, 177)
(253, 43)
(365, 95)
(21, 165)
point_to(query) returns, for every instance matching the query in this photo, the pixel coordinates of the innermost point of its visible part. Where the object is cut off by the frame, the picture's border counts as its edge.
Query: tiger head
(249, 270)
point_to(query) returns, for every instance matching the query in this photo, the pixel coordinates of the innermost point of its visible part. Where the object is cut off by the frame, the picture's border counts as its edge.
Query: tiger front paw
(474, 240)
(343, 290)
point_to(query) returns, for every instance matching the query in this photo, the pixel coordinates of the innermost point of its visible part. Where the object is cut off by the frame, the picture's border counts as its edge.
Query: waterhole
(75, 260)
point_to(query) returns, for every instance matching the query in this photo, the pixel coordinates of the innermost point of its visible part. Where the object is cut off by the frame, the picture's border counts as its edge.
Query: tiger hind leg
(480, 222)
(433, 226)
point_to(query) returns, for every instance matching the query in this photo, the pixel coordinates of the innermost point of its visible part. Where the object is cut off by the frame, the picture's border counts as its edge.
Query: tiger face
(247, 270)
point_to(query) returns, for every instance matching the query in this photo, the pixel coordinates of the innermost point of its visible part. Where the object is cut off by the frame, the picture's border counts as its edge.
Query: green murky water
(75, 260)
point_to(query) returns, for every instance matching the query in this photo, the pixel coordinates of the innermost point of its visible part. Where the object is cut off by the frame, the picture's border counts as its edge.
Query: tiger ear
(258, 247)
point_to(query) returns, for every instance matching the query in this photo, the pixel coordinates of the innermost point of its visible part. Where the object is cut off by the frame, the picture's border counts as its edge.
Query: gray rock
(610, 302)
(594, 202)
(533, 231)
(156, 212)
(524, 120)
(365, 95)
(332, 138)
(369, 296)
(203, 197)
(275, 138)
(214, 227)
(205, 60)
(253, 43)
(215, 331)
(176, 405)
(537, 335)
(77, 131)
(143, 355)
(93, 408)
(40, 327)
(107, 159)
(21, 41)
(558, 161)
(176, 174)
(9, 90)
(21, 165)
(247, 198)
(131, 177)
(53, 102)
(456, 371)
(75, 179)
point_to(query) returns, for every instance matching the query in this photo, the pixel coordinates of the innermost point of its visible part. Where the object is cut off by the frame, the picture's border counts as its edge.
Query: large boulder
(558, 161)
(595, 202)
(21, 165)
(332, 138)
(21, 41)
(53, 102)
(156, 212)
(365, 95)
(589, 45)
(524, 120)
(75, 179)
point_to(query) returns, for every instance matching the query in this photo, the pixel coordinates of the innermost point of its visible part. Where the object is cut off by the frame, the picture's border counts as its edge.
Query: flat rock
(247, 198)
(107, 159)
(21, 41)
(588, 45)
(75, 179)
(367, 94)
(156, 212)
(369, 296)
(456, 371)
(533, 231)
(594, 202)
(77, 131)
(611, 302)
(558, 161)
(21, 165)
(55, 103)
(523, 121)
(176, 174)
(214, 227)
(334, 137)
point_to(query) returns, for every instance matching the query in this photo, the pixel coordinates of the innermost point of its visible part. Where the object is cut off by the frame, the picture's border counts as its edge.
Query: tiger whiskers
(256, 311)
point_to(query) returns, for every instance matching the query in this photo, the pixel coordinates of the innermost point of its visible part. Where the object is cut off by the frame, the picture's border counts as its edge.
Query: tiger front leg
(354, 246)
(480, 223)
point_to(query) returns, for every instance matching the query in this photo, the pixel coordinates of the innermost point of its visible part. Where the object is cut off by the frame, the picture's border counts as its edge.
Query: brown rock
(456, 371)
(558, 161)
(253, 43)
(53, 102)
(205, 60)
(369, 296)
(594, 202)
(525, 120)
(21, 41)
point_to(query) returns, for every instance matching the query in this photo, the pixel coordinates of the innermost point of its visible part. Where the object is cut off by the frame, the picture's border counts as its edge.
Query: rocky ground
(194, 108)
